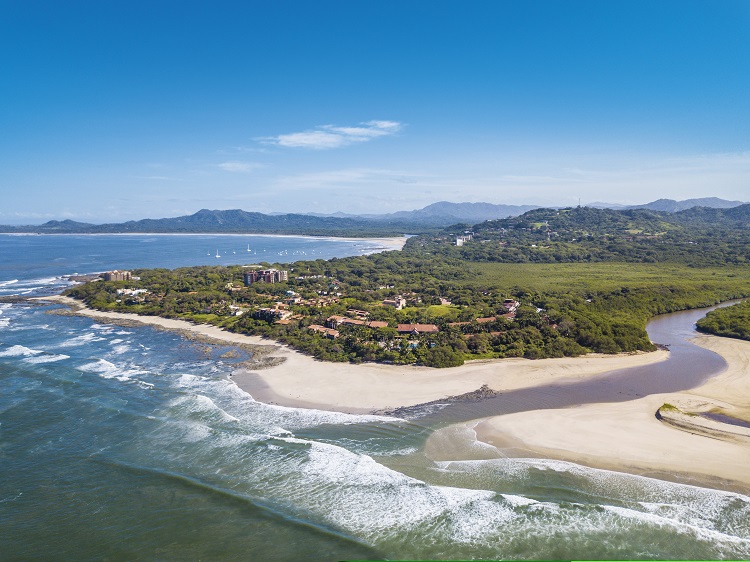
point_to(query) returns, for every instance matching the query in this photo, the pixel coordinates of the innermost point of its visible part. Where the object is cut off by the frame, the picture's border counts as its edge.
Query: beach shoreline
(391, 242)
(629, 436)
(622, 436)
(298, 380)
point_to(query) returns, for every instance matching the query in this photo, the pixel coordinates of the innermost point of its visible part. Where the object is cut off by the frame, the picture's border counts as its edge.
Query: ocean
(132, 443)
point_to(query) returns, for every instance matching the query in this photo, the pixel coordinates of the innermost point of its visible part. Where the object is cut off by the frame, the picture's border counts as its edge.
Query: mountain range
(433, 216)
(672, 206)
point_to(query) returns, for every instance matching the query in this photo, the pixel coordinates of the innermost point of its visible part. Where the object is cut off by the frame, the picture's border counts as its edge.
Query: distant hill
(445, 213)
(603, 222)
(672, 206)
(429, 218)
(738, 216)
(236, 220)
(229, 221)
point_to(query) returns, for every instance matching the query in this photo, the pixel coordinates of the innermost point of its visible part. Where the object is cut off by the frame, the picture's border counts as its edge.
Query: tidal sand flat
(629, 437)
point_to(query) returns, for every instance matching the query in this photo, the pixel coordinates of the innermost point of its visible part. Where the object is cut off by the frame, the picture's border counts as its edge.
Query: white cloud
(332, 136)
(241, 167)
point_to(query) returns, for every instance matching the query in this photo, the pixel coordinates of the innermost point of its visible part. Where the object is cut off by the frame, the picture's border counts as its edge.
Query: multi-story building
(265, 276)
(117, 275)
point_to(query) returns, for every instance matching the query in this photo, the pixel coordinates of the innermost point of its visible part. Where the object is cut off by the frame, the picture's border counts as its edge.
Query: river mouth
(688, 366)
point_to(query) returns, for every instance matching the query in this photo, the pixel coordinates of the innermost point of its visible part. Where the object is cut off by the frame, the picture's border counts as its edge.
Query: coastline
(623, 436)
(681, 446)
(302, 381)
(264, 350)
(299, 380)
(391, 242)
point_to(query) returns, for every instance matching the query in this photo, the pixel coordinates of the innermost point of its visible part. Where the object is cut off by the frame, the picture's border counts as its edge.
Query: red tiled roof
(419, 328)
(324, 330)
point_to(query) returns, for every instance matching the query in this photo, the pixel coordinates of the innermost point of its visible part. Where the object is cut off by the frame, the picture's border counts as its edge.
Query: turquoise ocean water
(131, 443)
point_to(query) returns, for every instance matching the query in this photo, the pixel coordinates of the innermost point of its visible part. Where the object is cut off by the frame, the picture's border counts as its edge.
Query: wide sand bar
(628, 436)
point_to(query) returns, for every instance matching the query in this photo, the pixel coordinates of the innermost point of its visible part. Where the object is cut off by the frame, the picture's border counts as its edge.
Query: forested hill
(609, 221)
(698, 236)
(426, 220)
(230, 221)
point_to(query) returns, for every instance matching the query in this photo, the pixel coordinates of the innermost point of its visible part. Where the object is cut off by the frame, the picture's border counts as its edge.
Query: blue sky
(122, 110)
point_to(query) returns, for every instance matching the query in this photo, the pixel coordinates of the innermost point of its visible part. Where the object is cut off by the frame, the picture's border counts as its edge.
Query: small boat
(248, 247)
(217, 254)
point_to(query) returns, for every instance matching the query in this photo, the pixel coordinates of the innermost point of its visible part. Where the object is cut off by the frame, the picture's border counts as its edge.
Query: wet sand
(628, 436)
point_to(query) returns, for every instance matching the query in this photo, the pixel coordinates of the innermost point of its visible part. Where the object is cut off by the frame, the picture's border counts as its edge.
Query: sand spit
(674, 442)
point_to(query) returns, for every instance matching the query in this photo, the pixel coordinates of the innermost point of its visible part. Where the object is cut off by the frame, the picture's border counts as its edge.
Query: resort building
(417, 329)
(265, 276)
(327, 332)
(511, 305)
(271, 314)
(334, 322)
(117, 275)
(398, 303)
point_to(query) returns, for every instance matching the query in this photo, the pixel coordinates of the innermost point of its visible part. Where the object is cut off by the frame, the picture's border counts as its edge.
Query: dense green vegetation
(732, 321)
(695, 237)
(584, 279)
(566, 309)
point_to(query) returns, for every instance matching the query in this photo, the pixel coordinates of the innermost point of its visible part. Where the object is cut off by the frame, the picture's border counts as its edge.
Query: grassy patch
(602, 277)
(440, 310)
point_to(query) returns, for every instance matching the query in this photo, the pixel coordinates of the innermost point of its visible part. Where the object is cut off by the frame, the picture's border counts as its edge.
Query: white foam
(81, 340)
(43, 281)
(37, 359)
(518, 501)
(108, 370)
(205, 406)
(19, 351)
(297, 418)
(700, 532)
(711, 516)
(99, 366)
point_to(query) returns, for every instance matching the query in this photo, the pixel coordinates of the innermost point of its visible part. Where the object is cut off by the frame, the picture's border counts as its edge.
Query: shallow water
(688, 366)
(130, 443)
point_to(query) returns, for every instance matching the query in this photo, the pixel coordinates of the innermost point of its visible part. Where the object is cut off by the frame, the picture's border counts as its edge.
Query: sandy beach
(302, 381)
(628, 437)
(305, 382)
(624, 436)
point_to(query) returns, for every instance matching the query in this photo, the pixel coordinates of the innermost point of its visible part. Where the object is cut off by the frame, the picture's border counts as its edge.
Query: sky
(111, 111)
